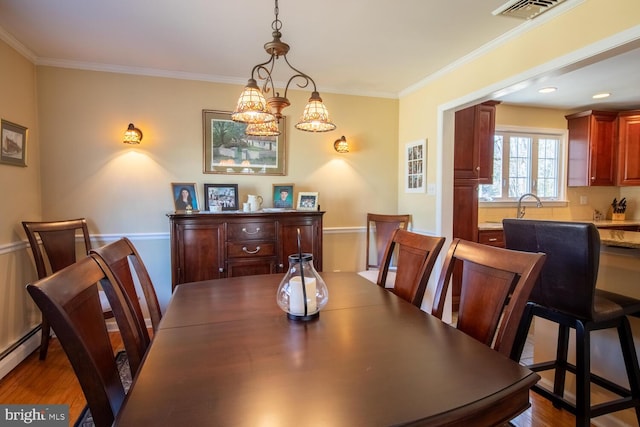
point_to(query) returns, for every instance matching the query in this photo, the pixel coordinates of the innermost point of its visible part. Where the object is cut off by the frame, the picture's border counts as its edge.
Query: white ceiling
(363, 47)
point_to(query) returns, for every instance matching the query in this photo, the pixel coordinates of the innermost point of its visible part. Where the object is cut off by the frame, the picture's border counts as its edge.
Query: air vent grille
(526, 9)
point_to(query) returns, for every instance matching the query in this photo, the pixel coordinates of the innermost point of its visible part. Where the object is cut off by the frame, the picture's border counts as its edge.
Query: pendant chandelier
(260, 113)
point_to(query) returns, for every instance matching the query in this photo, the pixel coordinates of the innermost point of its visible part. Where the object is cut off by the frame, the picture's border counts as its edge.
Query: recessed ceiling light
(547, 89)
(601, 95)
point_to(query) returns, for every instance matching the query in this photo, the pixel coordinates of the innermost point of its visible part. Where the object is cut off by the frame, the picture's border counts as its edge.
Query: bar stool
(566, 294)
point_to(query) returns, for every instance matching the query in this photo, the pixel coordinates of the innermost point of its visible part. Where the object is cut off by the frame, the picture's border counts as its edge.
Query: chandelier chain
(276, 25)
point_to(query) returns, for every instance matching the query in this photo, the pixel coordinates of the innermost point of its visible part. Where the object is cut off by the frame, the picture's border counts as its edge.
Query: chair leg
(631, 362)
(583, 375)
(44, 339)
(522, 333)
(561, 362)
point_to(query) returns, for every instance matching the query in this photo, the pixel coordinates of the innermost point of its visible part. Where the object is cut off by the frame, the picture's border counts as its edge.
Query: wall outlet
(584, 200)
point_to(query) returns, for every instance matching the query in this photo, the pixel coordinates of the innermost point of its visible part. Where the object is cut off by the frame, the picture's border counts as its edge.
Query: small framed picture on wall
(185, 196)
(13, 139)
(415, 166)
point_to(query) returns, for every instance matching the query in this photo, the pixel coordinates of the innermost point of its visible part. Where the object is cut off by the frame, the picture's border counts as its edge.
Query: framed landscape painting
(227, 149)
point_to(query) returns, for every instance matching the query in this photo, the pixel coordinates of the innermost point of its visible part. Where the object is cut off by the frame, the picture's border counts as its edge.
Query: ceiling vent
(526, 9)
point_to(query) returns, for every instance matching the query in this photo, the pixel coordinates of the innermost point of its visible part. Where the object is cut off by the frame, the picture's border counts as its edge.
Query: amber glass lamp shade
(132, 135)
(252, 106)
(263, 129)
(341, 145)
(315, 117)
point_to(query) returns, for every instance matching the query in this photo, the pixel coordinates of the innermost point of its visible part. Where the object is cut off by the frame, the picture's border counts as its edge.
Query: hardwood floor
(53, 382)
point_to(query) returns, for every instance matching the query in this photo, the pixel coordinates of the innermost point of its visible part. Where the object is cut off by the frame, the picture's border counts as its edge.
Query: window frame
(563, 150)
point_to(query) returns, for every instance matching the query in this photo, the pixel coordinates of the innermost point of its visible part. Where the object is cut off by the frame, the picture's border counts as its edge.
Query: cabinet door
(473, 149)
(629, 148)
(199, 252)
(311, 240)
(592, 148)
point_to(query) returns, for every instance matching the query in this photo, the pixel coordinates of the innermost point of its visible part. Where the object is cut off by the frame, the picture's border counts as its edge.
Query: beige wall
(20, 189)
(123, 189)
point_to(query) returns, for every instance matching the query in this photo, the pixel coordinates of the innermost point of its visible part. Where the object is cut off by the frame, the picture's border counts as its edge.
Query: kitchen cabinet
(473, 150)
(491, 238)
(210, 246)
(629, 148)
(472, 165)
(592, 148)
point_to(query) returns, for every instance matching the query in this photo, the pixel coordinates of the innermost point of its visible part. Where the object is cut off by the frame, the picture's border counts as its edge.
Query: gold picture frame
(227, 149)
(13, 139)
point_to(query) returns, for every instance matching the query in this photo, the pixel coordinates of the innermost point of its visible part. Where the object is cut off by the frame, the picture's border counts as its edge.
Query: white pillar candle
(296, 299)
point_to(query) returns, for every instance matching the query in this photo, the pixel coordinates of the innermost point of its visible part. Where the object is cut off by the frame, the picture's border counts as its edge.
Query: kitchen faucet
(521, 208)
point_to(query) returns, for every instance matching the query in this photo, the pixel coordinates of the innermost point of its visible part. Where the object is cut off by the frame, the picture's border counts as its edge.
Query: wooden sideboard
(216, 245)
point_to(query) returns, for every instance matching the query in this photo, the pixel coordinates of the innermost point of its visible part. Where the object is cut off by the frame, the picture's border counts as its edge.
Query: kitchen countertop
(608, 236)
(620, 238)
(607, 223)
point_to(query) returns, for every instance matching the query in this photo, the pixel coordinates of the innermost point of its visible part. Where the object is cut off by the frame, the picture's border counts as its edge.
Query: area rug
(85, 419)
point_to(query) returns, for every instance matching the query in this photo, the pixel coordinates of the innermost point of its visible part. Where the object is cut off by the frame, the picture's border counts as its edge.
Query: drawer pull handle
(493, 239)
(255, 232)
(244, 249)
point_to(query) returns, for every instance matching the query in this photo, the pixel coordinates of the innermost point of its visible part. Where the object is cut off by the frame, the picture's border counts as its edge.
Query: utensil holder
(617, 216)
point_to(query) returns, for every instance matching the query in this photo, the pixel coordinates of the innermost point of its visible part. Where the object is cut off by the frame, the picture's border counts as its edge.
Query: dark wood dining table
(226, 354)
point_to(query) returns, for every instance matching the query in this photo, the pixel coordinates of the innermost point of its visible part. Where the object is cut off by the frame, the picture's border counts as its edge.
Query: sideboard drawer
(251, 231)
(251, 249)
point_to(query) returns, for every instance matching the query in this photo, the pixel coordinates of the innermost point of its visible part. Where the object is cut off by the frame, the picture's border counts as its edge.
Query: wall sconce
(341, 145)
(132, 135)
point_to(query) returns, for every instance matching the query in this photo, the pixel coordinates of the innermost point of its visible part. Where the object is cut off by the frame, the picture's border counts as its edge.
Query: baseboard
(18, 354)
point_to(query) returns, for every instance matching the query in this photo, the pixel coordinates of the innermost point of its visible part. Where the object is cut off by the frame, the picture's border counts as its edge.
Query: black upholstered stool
(566, 294)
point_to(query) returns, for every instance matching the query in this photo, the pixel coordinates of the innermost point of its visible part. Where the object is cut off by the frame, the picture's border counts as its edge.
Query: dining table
(225, 354)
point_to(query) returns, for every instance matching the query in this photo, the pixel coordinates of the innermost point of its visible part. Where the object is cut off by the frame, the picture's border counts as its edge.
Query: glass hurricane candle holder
(302, 292)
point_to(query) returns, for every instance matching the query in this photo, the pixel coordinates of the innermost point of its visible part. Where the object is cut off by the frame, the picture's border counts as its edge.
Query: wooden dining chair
(58, 250)
(117, 258)
(416, 255)
(69, 299)
(496, 284)
(380, 227)
(379, 230)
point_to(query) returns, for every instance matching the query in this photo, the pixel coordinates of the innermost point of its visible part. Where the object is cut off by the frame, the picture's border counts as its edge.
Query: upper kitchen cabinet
(473, 151)
(592, 148)
(629, 148)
